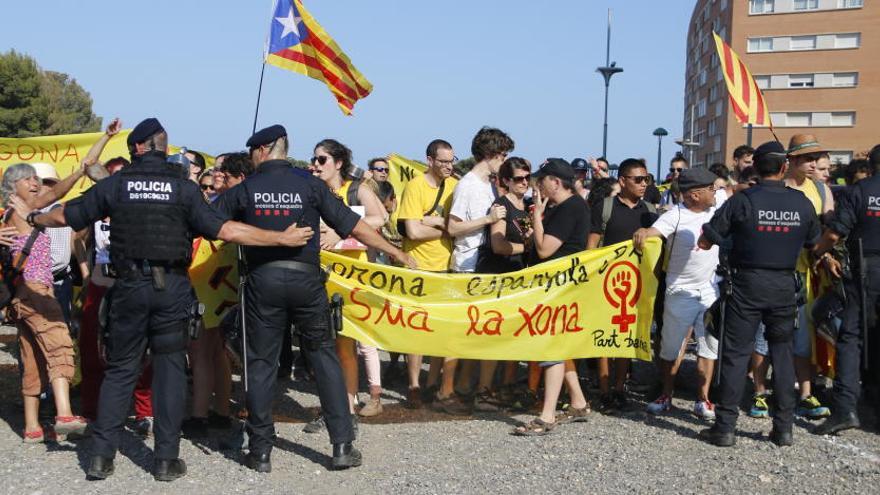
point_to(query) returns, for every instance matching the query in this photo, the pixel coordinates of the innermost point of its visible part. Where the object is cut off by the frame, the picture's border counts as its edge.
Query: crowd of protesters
(501, 215)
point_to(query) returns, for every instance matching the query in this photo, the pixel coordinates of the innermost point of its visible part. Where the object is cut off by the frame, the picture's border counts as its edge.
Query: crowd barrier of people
(501, 215)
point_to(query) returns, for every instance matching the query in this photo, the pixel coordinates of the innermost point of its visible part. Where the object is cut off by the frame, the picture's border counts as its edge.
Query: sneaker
(451, 405)
(373, 408)
(660, 405)
(705, 410)
(606, 405)
(195, 427)
(485, 402)
(811, 408)
(760, 408)
(144, 427)
(316, 425)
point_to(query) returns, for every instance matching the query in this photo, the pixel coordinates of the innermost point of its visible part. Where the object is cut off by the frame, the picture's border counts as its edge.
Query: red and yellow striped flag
(745, 96)
(299, 44)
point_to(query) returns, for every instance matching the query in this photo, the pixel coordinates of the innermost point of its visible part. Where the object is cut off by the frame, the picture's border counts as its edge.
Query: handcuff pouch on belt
(336, 304)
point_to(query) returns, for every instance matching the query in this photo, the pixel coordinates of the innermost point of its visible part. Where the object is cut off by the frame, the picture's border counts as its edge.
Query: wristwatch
(30, 218)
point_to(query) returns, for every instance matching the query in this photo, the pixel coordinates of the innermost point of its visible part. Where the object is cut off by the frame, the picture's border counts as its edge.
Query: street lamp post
(609, 70)
(660, 132)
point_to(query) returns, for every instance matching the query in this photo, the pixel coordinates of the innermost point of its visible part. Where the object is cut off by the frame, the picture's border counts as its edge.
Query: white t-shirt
(689, 266)
(471, 199)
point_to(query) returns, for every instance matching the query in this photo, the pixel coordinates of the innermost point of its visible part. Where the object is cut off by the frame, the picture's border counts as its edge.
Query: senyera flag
(745, 96)
(299, 44)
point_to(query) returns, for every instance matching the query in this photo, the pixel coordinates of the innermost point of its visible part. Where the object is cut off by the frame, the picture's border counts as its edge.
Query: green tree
(38, 103)
(70, 106)
(24, 111)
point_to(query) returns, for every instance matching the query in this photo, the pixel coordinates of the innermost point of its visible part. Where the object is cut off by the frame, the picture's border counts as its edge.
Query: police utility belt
(143, 269)
(297, 266)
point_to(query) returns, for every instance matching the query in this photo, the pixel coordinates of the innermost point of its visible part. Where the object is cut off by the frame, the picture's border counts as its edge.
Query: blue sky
(439, 69)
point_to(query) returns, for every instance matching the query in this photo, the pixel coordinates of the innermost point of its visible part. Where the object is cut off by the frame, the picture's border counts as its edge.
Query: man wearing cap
(857, 219)
(286, 286)
(690, 285)
(561, 222)
(155, 211)
(768, 225)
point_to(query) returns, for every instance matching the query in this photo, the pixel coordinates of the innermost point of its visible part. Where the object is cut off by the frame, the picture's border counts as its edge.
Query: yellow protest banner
(592, 304)
(402, 170)
(66, 152)
(214, 275)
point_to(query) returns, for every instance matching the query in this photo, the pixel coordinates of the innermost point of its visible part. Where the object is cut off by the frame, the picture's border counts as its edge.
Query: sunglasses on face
(207, 187)
(379, 169)
(320, 160)
(519, 179)
(638, 179)
(675, 170)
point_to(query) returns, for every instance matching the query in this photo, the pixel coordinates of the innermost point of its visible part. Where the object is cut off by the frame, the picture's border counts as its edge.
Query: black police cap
(144, 130)
(692, 178)
(557, 167)
(266, 136)
(770, 151)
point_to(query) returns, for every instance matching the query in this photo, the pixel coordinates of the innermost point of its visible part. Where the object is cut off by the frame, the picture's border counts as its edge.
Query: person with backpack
(333, 164)
(618, 218)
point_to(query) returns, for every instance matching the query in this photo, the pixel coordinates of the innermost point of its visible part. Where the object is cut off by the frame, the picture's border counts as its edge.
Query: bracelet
(31, 217)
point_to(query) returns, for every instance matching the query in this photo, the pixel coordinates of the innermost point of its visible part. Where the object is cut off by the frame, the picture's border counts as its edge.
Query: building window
(760, 45)
(800, 81)
(844, 79)
(703, 74)
(849, 4)
(701, 107)
(763, 82)
(840, 157)
(760, 6)
(849, 40)
(803, 43)
(713, 92)
(724, 5)
(843, 119)
(719, 107)
(806, 4)
(713, 127)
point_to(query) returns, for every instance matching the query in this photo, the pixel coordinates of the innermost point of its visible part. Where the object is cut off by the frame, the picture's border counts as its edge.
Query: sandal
(536, 427)
(574, 415)
(35, 436)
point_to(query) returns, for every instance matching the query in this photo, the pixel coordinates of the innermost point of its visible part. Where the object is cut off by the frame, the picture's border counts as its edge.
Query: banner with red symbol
(597, 303)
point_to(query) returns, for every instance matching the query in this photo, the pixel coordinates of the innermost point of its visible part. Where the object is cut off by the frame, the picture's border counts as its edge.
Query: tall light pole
(689, 144)
(660, 132)
(609, 70)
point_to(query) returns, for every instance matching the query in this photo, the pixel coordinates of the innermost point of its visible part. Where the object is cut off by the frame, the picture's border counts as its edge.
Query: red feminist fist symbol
(623, 286)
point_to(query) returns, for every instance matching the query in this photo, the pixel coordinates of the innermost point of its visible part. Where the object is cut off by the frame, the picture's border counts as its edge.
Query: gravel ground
(425, 452)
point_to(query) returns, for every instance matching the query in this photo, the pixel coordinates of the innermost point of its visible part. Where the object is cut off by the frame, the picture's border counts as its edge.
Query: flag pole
(748, 135)
(259, 94)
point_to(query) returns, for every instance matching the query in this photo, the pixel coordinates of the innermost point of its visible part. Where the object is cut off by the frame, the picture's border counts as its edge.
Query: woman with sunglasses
(332, 163)
(206, 184)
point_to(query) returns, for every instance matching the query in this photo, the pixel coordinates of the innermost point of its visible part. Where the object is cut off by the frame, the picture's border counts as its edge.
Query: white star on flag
(290, 24)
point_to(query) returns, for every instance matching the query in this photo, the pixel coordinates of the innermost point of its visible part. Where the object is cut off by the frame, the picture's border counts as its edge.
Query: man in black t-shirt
(611, 224)
(559, 231)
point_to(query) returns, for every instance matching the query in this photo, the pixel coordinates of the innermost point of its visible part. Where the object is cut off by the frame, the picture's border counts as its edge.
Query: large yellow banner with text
(66, 152)
(597, 303)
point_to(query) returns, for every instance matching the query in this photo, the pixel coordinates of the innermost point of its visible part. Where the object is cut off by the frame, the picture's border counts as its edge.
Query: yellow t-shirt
(812, 193)
(418, 197)
(358, 254)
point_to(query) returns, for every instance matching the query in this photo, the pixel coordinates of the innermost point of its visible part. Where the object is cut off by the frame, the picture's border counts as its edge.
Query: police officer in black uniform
(155, 211)
(857, 218)
(768, 225)
(286, 286)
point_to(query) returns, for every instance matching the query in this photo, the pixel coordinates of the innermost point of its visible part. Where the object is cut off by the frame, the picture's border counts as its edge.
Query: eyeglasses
(207, 187)
(446, 162)
(519, 179)
(320, 160)
(675, 170)
(638, 179)
(377, 169)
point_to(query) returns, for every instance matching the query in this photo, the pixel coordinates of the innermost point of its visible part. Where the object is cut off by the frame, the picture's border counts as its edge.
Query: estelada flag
(745, 96)
(299, 44)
